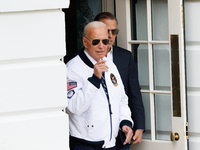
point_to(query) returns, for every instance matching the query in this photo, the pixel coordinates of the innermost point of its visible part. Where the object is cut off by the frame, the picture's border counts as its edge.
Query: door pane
(146, 102)
(140, 52)
(160, 20)
(161, 63)
(138, 20)
(163, 114)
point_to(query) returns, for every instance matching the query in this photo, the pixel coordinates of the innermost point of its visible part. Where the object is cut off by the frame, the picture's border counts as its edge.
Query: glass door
(153, 30)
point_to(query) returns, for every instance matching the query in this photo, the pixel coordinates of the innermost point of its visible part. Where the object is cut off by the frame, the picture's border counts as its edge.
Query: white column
(32, 77)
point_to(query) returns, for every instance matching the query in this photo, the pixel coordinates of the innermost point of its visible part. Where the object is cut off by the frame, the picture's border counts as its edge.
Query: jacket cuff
(126, 122)
(95, 81)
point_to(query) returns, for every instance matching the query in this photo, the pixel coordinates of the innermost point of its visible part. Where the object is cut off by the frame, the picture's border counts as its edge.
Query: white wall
(32, 77)
(192, 33)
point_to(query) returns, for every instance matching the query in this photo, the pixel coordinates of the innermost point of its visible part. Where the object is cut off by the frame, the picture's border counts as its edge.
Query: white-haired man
(97, 103)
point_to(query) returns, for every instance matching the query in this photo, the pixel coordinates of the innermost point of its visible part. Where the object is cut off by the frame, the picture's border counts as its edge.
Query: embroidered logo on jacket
(71, 85)
(70, 94)
(113, 79)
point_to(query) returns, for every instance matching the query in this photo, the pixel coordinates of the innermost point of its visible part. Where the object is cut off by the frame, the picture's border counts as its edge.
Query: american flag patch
(71, 85)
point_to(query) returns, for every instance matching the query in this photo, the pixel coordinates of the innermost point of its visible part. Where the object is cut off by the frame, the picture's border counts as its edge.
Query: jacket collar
(85, 59)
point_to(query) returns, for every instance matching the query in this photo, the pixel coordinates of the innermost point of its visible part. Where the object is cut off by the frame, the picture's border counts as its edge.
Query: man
(97, 103)
(124, 61)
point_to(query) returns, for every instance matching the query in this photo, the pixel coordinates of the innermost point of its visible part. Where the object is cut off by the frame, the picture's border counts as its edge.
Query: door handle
(175, 136)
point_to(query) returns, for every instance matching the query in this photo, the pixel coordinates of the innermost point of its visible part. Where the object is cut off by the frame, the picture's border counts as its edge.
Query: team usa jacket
(95, 119)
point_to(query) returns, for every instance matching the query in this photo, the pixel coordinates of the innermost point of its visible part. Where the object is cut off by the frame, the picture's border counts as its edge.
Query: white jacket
(90, 118)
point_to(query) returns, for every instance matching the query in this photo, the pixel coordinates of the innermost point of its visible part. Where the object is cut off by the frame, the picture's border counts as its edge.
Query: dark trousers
(84, 147)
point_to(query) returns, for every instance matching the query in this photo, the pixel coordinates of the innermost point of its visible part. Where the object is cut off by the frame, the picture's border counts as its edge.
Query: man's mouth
(99, 52)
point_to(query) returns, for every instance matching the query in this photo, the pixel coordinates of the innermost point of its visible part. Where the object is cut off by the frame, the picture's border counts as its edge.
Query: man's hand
(99, 68)
(137, 138)
(128, 132)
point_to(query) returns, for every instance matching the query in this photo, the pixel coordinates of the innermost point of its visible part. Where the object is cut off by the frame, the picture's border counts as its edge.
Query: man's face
(99, 50)
(111, 24)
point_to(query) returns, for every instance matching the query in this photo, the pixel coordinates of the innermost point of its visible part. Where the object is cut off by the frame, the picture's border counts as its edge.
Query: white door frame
(175, 20)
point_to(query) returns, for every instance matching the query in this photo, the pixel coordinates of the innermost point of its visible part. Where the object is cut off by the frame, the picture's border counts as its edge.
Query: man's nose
(100, 45)
(109, 33)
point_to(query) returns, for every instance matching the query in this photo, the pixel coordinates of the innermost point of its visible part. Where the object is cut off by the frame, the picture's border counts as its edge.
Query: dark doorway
(79, 13)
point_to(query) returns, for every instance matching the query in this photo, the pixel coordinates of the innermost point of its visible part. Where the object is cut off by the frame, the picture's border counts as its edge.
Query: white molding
(124, 25)
(29, 5)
